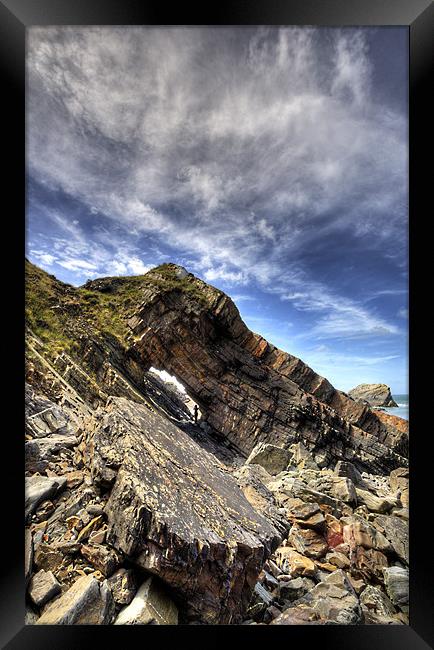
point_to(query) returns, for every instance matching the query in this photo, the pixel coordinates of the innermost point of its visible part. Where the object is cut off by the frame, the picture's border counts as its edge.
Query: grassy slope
(56, 312)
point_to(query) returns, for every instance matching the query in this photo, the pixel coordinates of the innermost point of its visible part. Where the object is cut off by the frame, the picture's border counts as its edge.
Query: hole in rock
(174, 385)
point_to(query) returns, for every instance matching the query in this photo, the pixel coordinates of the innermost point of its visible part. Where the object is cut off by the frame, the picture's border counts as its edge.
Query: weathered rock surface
(247, 389)
(151, 604)
(176, 511)
(123, 586)
(250, 480)
(395, 530)
(332, 601)
(374, 503)
(39, 488)
(43, 587)
(396, 583)
(273, 459)
(373, 394)
(150, 498)
(87, 602)
(399, 483)
(377, 608)
(28, 551)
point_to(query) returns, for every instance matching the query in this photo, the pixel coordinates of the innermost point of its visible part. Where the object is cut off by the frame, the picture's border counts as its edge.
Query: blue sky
(271, 162)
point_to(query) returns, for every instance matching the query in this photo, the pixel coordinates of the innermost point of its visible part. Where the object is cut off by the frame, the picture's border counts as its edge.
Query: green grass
(58, 313)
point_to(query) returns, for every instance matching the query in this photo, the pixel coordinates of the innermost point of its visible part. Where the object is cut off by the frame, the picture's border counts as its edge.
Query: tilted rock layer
(176, 512)
(248, 390)
(123, 485)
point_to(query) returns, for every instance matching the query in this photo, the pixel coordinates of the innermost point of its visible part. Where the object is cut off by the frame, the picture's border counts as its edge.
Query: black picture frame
(15, 17)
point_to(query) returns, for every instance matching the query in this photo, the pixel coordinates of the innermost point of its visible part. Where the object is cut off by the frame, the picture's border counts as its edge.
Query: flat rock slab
(176, 511)
(45, 448)
(151, 604)
(87, 602)
(40, 488)
(43, 417)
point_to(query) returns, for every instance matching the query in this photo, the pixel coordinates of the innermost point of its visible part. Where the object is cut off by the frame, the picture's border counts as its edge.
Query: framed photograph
(221, 215)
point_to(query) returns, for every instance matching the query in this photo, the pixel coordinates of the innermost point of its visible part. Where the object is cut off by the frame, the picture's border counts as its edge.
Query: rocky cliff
(285, 493)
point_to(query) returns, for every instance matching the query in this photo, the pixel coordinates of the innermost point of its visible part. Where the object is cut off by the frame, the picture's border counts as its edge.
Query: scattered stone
(375, 504)
(358, 532)
(104, 559)
(98, 536)
(306, 515)
(48, 557)
(399, 482)
(294, 563)
(151, 604)
(339, 487)
(331, 601)
(43, 587)
(344, 468)
(28, 563)
(44, 510)
(74, 479)
(308, 542)
(396, 531)
(91, 526)
(370, 563)
(272, 458)
(376, 607)
(338, 559)
(123, 586)
(295, 589)
(87, 602)
(259, 496)
(40, 488)
(396, 583)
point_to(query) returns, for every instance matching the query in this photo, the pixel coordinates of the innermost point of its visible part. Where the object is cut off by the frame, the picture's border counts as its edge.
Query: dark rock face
(373, 394)
(176, 512)
(250, 391)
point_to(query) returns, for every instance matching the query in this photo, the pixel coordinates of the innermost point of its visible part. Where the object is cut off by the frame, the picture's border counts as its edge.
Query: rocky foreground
(286, 504)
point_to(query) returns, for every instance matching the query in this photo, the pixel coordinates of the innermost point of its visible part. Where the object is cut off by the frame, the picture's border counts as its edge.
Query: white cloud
(253, 135)
(343, 317)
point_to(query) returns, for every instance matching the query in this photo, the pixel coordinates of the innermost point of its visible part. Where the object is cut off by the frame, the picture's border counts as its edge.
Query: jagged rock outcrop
(176, 512)
(125, 490)
(373, 394)
(247, 389)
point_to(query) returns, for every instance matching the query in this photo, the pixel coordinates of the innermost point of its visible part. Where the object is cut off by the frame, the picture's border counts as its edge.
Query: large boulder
(272, 458)
(175, 511)
(373, 394)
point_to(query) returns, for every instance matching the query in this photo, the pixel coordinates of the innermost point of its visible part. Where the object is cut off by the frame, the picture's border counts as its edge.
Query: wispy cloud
(273, 137)
(256, 154)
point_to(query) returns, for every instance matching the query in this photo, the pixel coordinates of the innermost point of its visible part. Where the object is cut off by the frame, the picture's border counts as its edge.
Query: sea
(402, 409)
